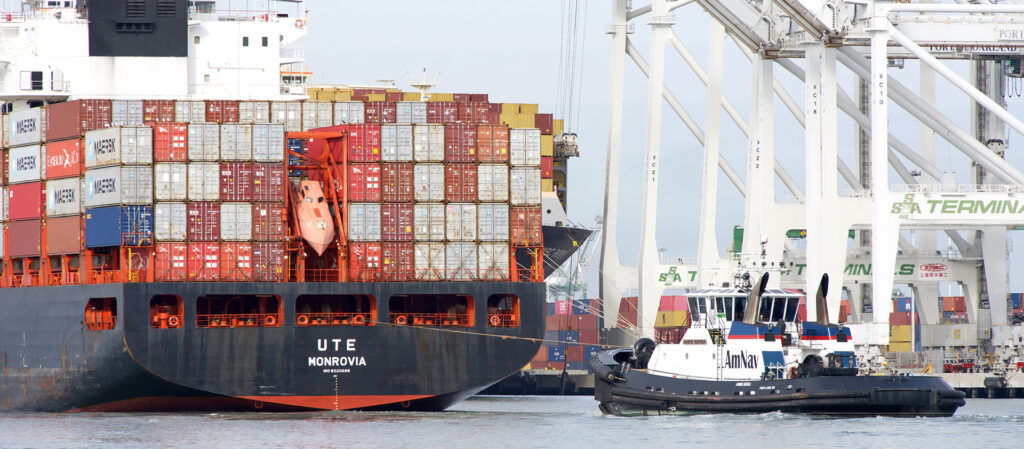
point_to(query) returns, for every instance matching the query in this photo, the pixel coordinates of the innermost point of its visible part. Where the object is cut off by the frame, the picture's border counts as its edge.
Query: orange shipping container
(171, 261)
(526, 224)
(63, 159)
(492, 143)
(170, 141)
(236, 261)
(203, 262)
(364, 183)
(364, 262)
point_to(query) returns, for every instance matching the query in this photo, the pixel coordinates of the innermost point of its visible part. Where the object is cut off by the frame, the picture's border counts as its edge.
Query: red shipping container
(170, 141)
(584, 322)
(473, 113)
(672, 303)
(627, 312)
(554, 366)
(556, 322)
(478, 97)
(269, 262)
(26, 201)
(64, 235)
(364, 183)
(460, 182)
(590, 336)
(492, 143)
(396, 182)
(547, 167)
(380, 112)
(236, 181)
(902, 319)
(29, 235)
(393, 96)
(268, 222)
(203, 262)
(396, 222)
(171, 261)
(268, 182)
(63, 159)
(494, 108)
(442, 112)
(526, 226)
(460, 143)
(74, 118)
(462, 98)
(236, 262)
(541, 355)
(574, 353)
(545, 122)
(364, 262)
(157, 111)
(222, 111)
(363, 144)
(203, 222)
(397, 262)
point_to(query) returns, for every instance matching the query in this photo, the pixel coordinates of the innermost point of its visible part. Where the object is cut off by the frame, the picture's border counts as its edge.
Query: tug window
(335, 310)
(728, 308)
(431, 310)
(238, 311)
(503, 311)
(101, 314)
(166, 312)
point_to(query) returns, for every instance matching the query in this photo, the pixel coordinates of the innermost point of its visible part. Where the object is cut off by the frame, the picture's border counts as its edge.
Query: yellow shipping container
(528, 108)
(671, 318)
(509, 108)
(559, 127)
(547, 185)
(376, 97)
(523, 121)
(900, 333)
(507, 119)
(442, 97)
(411, 96)
(326, 95)
(343, 95)
(547, 145)
(903, 346)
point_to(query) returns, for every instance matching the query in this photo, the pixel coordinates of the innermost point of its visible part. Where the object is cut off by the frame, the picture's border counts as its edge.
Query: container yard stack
(672, 321)
(571, 337)
(954, 309)
(901, 326)
(1015, 305)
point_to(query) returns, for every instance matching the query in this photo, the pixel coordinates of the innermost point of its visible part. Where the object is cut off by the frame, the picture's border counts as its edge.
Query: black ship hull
(636, 392)
(560, 243)
(51, 362)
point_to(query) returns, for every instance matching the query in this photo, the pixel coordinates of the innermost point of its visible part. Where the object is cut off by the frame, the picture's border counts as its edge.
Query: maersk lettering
(105, 185)
(64, 196)
(26, 126)
(740, 360)
(104, 146)
(26, 163)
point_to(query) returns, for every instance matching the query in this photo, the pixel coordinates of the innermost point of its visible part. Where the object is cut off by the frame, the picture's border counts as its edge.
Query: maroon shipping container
(364, 182)
(627, 312)
(462, 98)
(268, 222)
(589, 336)
(460, 182)
(236, 261)
(494, 108)
(26, 201)
(574, 353)
(64, 235)
(478, 97)
(396, 222)
(902, 319)
(397, 262)
(364, 261)
(460, 143)
(546, 123)
(584, 322)
(203, 222)
(526, 225)
(473, 113)
(170, 141)
(236, 181)
(492, 143)
(268, 182)
(25, 238)
(157, 111)
(363, 143)
(393, 96)
(556, 322)
(396, 183)
(268, 262)
(222, 111)
(442, 112)
(203, 261)
(171, 260)
(547, 167)
(74, 118)
(380, 112)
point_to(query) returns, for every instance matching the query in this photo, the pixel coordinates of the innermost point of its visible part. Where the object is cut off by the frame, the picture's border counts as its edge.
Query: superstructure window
(101, 314)
(266, 42)
(245, 41)
(431, 310)
(238, 311)
(166, 312)
(335, 310)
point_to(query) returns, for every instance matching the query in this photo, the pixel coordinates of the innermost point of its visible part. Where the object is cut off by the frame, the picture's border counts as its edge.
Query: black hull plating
(49, 362)
(560, 243)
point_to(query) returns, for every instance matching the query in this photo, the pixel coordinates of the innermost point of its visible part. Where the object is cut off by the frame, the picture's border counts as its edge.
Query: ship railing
(503, 319)
(335, 319)
(240, 15)
(405, 275)
(238, 320)
(429, 319)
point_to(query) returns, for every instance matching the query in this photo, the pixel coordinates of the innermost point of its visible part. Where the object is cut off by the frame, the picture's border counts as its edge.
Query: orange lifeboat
(315, 222)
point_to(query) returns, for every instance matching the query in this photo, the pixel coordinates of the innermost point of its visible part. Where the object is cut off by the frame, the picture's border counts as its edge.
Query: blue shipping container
(296, 146)
(118, 225)
(590, 351)
(551, 309)
(902, 304)
(569, 336)
(550, 337)
(1016, 300)
(581, 307)
(556, 354)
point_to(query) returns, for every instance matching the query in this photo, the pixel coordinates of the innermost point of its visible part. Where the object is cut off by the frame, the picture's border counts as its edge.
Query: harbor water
(512, 422)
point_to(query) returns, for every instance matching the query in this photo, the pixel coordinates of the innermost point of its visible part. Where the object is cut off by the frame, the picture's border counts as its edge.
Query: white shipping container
(316, 114)
(235, 142)
(396, 143)
(131, 145)
(492, 182)
(189, 111)
(428, 143)
(524, 146)
(364, 222)
(25, 164)
(253, 112)
(525, 186)
(268, 142)
(203, 141)
(287, 113)
(411, 112)
(460, 221)
(492, 222)
(170, 222)
(24, 127)
(203, 181)
(428, 222)
(169, 181)
(428, 182)
(125, 184)
(493, 261)
(236, 221)
(64, 197)
(429, 261)
(460, 261)
(126, 113)
(346, 112)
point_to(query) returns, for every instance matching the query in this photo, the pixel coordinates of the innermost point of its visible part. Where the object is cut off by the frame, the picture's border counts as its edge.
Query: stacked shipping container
(572, 336)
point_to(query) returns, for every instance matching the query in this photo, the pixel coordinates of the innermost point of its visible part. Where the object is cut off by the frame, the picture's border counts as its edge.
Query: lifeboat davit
(315, 223)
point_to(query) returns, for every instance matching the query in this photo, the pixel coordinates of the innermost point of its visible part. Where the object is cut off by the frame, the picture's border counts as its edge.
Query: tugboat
(747, 352)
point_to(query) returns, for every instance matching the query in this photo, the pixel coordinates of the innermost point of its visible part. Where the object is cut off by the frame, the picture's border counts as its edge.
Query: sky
(511, 51)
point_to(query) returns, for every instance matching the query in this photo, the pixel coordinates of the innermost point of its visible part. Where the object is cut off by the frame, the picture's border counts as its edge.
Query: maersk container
(428, 180)
(316, 114)
(114, 146)
(492, 222)
(346, 112)
(126, 113)
(492, 182)
(203, 141)
(493, 261)
(411, 112)
(525, 186)
(253, 112)
(428, 143)
(25, 164)
(190, 111)
(364, 222)
(268, 142)
(460, 261)
(235, 142)
(236, 221)
(287, 113)
(460, 222)
(24, 127)
(429, 261)
(396, 143)
(170, 222)
(524, 146)
(428, 222)
(63, 197)
(169, 181)
(203, 181)
(118, 225)
(126, 184)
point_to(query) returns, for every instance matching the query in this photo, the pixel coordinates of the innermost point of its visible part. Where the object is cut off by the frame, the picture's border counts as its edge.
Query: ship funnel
(819, 300)
(754, 300)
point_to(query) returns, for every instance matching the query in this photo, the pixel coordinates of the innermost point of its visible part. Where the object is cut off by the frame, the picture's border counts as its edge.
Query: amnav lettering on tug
(184, 233)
